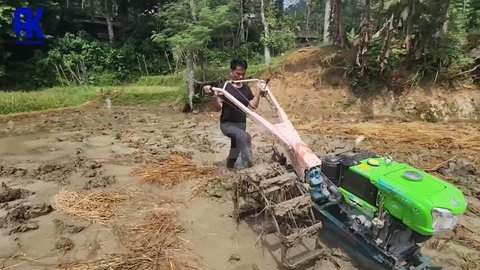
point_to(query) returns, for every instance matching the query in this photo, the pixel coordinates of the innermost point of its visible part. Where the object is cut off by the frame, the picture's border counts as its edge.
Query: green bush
(449, 56)
(163, 80)
(104, 79)
(76, 57)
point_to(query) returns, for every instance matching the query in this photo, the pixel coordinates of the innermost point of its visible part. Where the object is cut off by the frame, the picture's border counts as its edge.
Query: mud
(64, 227)
(8, 194)
(21, 218)
(106, 152)
(64, 244)
(94, 149)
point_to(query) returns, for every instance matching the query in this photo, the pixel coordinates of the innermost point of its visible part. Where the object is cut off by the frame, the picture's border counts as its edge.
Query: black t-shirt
(230, 112)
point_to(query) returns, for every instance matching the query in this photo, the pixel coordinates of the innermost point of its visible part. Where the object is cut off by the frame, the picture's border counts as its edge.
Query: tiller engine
(377, 209)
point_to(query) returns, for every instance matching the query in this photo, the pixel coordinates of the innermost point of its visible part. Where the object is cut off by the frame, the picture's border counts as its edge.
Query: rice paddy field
(142, 185)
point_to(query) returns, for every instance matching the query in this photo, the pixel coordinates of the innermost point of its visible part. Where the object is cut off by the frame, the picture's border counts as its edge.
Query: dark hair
(235, 62)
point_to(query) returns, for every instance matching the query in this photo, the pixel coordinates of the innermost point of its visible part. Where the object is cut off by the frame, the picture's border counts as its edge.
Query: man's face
(237, 73)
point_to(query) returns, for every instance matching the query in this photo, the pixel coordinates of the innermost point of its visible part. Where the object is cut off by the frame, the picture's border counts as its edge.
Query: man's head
(238, 67)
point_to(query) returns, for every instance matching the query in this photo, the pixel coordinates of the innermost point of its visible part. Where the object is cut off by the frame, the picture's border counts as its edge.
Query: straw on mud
(467, 237)
(199, 188)
(435, 135)
(117, 261)
(469, 262)
(151, 242)
(96, 206)
(463, 138)
(176, 169)
(157, 231)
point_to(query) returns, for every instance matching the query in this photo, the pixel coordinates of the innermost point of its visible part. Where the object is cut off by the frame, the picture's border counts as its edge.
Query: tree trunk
(242, 25)
(326, 22)
(91, 4)
(446, 17)
(336, 29)
(191, 86)
(190, 62)
(408, 38)
(266, 33)
(309, 10)
(111, 35)
(108, 18)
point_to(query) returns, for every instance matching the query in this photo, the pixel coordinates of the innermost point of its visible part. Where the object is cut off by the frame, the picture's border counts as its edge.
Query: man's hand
(207, 89)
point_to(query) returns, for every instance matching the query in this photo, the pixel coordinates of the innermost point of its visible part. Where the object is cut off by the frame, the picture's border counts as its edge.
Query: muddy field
(129, 187)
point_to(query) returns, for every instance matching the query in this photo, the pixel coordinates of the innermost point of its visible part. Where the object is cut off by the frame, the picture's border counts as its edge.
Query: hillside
(314, 79)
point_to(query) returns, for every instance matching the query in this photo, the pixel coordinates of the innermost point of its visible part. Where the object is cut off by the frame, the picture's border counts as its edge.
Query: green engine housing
(426, 204)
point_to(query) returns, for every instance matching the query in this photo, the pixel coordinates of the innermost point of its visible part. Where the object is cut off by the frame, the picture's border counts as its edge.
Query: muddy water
(17, 144)
(92, 151)
(95, 149)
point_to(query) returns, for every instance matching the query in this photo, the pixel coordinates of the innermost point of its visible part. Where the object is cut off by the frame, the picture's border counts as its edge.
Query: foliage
(194, 33)
(282, 36)
(448, 56)
(162, 80)
(103, 63)
(427, 37)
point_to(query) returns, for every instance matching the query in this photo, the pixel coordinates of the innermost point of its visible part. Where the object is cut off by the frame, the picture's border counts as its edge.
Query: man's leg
(238, 140)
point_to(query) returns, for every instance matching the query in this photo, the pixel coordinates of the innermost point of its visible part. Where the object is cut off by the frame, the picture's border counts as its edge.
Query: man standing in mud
(233, 122)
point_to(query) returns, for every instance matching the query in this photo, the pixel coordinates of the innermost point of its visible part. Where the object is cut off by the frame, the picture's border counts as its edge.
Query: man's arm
(217, 100)
(256, 99)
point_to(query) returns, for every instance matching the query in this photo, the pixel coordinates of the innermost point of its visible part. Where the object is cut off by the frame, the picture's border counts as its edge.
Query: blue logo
(25, 20)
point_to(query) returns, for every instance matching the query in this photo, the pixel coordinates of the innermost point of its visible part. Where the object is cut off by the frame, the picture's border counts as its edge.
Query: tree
(266, 35)
(326, 22)
(189, 27)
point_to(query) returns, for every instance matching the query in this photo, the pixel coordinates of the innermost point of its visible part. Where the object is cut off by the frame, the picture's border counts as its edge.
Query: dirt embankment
(315, 79)
(124, 187)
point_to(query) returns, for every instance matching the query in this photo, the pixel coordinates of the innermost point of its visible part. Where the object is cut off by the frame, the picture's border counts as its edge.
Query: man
(232, 119)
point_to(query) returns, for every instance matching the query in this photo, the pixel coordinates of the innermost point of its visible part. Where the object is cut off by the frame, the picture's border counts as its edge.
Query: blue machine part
(367, 255)
(319, 192)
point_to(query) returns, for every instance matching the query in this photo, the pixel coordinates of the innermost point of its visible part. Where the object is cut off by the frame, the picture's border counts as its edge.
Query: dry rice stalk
(201, 187)
(175, 170)
(152, 242)
(467, 237)
(197, 189)
(96, 206)
(469, 262)
(117, 261)
(156, 233)
(424, 134)
(128, 262)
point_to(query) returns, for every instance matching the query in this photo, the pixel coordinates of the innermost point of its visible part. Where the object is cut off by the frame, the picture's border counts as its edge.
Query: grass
(148, 89)
(60, 97)
(129, 95)
(57, 97)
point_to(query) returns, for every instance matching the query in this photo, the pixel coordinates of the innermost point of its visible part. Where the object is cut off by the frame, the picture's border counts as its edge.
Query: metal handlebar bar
(253, 115)
(302, 156)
